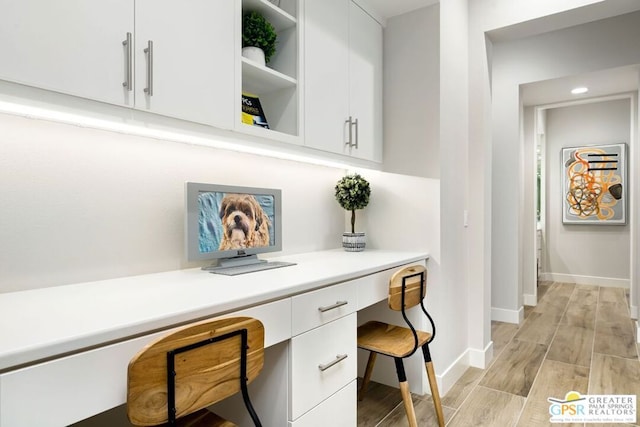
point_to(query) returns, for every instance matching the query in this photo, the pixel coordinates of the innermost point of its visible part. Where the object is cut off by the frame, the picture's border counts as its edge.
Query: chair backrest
(207, 361)
(412, 277)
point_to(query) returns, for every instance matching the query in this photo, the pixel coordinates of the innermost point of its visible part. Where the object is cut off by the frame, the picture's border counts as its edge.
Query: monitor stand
(235, 262)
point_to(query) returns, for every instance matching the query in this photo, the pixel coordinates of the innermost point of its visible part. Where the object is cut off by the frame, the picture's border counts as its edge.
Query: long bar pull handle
(357, 133)
(349, 123)
(333, 306)
(339, 358)
(128, 83)
(149, 51)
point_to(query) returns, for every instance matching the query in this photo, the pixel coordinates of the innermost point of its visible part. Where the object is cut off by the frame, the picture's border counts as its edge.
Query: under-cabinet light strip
(33, 112)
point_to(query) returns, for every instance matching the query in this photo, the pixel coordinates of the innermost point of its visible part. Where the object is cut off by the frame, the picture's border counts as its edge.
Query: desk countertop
(43, 323)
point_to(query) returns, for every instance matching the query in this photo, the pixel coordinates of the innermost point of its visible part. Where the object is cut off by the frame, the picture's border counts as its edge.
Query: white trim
(628, 95)
(471, 357)
(638, 331)
(481, 358)
(633, 311)
(452, 373)
(530, 299)
(508, 316)
(585, 280)
(372, 11)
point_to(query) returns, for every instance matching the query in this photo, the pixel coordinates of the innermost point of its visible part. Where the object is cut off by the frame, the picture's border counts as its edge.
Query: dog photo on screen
(235, 221)
(245, 225)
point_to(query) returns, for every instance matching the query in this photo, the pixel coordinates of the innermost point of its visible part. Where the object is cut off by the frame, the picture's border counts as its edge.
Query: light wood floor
(578, 338)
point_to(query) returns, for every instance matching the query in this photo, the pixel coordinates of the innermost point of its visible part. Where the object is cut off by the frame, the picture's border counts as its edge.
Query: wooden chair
(407, 288)
(175, 378)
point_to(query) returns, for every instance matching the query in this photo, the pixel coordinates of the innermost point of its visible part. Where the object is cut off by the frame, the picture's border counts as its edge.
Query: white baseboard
(508, 316)
(481, 358)
(531, 300)
(471, 357)
(633, 311)
(585, 280)
(638, 331)
(453, 373)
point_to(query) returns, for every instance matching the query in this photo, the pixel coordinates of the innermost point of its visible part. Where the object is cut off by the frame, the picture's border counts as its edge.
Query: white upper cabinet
(69, 46)
(343, 79)
(182, 59)
(185, 59)
(365, 84)
(326, 88)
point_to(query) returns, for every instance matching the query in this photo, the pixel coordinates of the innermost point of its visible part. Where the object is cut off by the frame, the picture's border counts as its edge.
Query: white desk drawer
(375, 287)
(340, 410)
(62, 391)
(317, 349)
(274, 316)
(75, 387)
(316, 308)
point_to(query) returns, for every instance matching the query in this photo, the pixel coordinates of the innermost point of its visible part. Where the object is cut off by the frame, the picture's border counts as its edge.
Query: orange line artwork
(594, 186)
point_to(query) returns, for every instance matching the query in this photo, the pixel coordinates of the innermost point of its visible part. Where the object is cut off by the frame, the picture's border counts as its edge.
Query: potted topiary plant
(258, 38)
(352, 192)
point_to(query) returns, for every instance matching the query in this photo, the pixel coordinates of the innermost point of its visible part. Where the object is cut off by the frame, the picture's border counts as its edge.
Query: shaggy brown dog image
(245, 223)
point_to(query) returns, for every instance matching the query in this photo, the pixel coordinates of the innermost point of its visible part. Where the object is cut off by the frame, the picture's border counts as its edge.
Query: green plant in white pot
(352, 193)
(258, 38)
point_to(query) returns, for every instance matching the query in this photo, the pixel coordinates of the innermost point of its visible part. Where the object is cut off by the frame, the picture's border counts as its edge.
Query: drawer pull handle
(333, 306)
(339, 358)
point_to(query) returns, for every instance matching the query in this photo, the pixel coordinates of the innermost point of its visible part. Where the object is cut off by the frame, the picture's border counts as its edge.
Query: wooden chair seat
(390, 340)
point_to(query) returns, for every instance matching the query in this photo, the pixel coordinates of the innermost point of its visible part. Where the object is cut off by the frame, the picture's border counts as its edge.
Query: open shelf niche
(276, 84)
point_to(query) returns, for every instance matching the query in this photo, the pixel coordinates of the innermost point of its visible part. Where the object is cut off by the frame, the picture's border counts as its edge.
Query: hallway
(578, 338)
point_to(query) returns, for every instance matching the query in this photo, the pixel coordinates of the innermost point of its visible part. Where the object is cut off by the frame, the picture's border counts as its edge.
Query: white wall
(464, 292)
(412, 93)
(599, 254)
(78, 204)
(425, 136)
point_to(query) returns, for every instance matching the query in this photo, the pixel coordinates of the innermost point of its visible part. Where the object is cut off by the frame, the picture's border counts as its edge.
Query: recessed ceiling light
(579, 90)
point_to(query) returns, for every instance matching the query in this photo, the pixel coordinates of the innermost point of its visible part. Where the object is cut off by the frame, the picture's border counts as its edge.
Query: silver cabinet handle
(339, 358)
(149, 51)
(333, 306)
(128, 82)
(349, 123)
(356, 124)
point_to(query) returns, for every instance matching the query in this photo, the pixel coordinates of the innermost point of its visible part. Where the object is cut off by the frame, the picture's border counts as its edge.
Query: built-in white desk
(64, 350)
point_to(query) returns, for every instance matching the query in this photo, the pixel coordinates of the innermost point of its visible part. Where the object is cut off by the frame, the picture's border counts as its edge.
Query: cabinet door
(365, 83)
(192, 67)
(326, 87)
(69, 46)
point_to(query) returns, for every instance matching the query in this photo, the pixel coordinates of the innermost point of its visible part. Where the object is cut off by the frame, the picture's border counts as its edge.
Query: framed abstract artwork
(594, 184)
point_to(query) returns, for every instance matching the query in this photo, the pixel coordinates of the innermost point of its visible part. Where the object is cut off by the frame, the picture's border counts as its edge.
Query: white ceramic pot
(254, 54)
(354, 242)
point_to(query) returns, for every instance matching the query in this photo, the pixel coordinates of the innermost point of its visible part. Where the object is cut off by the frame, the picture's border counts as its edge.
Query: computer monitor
(231, 224)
